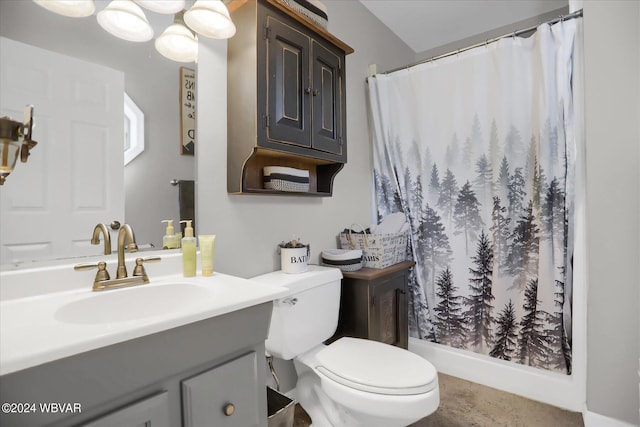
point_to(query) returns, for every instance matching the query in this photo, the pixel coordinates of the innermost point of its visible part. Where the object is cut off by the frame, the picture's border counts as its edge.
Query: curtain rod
(575, 14)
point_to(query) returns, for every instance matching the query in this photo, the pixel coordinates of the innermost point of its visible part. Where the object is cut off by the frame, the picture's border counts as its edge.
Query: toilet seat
(374, 367)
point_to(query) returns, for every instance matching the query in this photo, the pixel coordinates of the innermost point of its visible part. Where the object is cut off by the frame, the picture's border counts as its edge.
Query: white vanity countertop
(37, 328)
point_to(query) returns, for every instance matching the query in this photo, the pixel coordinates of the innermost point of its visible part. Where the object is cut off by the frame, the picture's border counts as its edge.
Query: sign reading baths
(187, 111)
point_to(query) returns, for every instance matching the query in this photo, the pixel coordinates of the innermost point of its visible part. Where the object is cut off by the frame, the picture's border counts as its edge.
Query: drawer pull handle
(229, 409)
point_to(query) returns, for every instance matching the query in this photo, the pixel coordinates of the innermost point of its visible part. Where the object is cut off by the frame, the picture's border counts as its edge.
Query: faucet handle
(102, 273)
(139, 270)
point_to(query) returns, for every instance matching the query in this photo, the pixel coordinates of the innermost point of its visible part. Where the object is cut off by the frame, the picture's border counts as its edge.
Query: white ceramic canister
(294, 260)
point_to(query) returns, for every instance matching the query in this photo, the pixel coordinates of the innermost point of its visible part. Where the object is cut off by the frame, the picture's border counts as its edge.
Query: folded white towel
(391, 224)
(268, 170)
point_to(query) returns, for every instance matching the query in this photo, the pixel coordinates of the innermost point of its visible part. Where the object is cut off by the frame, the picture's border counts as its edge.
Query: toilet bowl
(350, 382)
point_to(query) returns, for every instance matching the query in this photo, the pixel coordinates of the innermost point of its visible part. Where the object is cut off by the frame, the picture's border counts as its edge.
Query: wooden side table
(374, 305)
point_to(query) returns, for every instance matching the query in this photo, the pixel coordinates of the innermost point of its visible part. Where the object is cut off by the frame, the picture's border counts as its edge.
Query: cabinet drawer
(151, 412)
(225, 396)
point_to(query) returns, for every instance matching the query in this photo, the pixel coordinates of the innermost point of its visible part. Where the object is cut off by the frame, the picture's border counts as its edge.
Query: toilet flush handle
(290, 301)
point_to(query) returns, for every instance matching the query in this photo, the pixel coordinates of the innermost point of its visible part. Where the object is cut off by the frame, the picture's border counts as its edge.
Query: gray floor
(466, 404)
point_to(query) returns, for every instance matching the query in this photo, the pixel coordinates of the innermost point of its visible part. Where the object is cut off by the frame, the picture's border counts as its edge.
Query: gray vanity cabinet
(205, 402)
(205, 373)
(151, 412)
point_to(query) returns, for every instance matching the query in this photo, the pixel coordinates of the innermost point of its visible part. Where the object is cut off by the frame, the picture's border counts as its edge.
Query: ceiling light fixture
(210, 18)
(178, 42)
(162, 6)
(71, 8)
(126, 20)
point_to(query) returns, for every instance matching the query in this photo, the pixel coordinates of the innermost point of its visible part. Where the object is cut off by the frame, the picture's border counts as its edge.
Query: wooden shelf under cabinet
(374, 305)
(321, 173)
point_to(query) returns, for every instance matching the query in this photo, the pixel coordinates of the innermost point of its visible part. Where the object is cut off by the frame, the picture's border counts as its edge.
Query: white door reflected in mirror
(76, 177)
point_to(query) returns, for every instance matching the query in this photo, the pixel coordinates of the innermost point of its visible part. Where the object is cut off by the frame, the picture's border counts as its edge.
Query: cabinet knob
(229, 409)
(315, 92)
(307, 90)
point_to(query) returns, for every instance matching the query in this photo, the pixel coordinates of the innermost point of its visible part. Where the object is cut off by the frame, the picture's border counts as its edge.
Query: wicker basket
(378, 250)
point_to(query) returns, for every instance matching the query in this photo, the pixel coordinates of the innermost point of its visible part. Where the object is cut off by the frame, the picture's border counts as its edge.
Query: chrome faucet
(125, 233)
(95, 239)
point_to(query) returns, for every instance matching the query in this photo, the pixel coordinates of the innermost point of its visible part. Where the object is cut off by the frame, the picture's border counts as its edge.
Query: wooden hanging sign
(187, 111)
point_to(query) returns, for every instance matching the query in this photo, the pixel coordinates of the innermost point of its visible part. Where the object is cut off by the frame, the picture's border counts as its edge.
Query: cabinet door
(152, 412)
(288, 85)
(388, 315)
(327, 99)
(225, 396)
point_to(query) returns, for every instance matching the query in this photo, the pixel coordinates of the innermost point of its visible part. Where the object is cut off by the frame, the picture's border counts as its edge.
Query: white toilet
(351, 382)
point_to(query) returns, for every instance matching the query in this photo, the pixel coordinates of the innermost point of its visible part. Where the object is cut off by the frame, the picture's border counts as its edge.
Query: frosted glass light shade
(10, 150)
(126, 20)
(210, 18)
(162, 6)
(178, 43)
(72, 8)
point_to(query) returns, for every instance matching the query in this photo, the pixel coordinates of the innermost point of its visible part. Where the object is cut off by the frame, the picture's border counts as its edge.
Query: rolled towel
(391, 224)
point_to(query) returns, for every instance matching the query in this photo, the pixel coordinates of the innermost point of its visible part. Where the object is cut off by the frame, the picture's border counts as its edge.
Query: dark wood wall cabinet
(286, 98)
(373, 305)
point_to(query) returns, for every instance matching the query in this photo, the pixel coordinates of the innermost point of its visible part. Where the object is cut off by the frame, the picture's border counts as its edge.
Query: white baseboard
(563, 391)
(591, 419)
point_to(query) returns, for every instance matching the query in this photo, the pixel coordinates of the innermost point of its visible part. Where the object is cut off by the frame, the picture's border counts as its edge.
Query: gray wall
(612, 71)
(248, 227)
(488, 35)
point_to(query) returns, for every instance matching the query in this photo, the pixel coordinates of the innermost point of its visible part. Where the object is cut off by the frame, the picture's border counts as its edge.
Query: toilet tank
(307, 315)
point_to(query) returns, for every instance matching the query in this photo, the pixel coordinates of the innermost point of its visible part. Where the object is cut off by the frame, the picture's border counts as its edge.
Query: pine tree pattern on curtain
(477, 151)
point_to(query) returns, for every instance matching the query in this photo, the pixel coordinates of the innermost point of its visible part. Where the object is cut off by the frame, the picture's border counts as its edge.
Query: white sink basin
(50, 312)
(137, 302)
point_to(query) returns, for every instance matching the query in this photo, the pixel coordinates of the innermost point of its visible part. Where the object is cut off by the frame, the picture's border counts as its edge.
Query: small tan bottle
(170, 240)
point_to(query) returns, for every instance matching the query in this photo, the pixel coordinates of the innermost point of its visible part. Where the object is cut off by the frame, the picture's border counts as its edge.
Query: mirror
(152, 82)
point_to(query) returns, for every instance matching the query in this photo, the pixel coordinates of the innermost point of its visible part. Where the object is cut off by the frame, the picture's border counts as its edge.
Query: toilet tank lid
(314, 276)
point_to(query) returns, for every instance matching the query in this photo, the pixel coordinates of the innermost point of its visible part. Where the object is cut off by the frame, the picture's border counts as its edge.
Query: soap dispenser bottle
(188, 250)
(169, 240)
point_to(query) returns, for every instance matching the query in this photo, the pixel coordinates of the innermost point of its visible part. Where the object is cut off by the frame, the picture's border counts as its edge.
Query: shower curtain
(478, 150)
